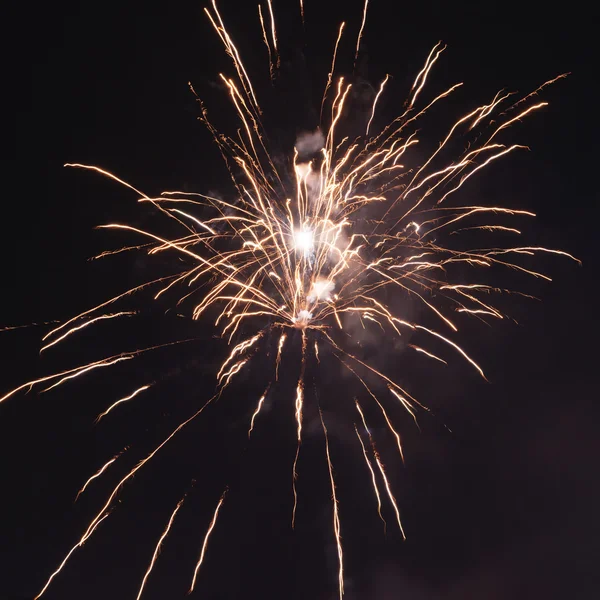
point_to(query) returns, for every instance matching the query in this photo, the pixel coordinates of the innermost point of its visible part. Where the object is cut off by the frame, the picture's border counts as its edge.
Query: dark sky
(504, 507)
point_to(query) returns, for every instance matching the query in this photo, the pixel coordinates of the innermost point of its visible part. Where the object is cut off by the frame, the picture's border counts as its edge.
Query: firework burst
(305, 249)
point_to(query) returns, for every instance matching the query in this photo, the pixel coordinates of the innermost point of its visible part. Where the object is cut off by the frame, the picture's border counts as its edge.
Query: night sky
(503, 507)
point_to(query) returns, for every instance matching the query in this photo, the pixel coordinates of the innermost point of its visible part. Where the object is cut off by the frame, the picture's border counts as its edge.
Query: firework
(308, 248)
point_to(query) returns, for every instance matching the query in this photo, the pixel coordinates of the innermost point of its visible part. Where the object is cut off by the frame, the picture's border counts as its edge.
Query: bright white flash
(304, 240)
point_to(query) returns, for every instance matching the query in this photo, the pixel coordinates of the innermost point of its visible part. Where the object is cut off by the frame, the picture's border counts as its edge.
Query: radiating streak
(470, 210)
(118, 251)
(80, 370)
(360, 33)
(233, 53)
(391, 383)
(419, 349)
(422, 77)
(539, 89)
(132, 395)
(479, 167)
(278, 359)
(87, 369)
(299, 402)
(373, 478)
(457, 347)
(234, 370)
(488, 228)
(239, 349)
(121, 181)
(375, 102)
(336, 516)
(102, 514)
(519, 116)
(273, 33)
(79, 544)
(390, 494)
(266, 40)
(299, 406)
(332, 69)
(30, 384)
(258, 407)
(158, 546)
(96, 474)
(192, 218)
(531, 250)
(205, 543)
(90, 322)
(103, 304)
(13, 327)
(109, 175)
(381, 407)
(382, 471)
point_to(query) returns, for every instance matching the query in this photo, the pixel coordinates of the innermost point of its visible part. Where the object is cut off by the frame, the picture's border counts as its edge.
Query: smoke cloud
(309, 143)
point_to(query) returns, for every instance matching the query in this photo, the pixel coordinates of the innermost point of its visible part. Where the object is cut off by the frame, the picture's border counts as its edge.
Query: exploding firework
(306, 249)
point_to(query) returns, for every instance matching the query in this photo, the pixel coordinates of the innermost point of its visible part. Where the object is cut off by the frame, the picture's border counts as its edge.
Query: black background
(502, 508)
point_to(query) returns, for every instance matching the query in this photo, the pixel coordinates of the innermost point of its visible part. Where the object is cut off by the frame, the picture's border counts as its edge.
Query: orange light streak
(79, 544)
(95, 475)
(205, 542)
(375, 103)
(362, 28)
(90, 322)
(373, 478)
(382, 471)
(132, 395)
(158, 546)
(255, 414)
(336, 516)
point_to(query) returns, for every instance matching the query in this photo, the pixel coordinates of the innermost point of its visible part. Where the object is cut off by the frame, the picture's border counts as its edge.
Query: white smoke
(310, 142)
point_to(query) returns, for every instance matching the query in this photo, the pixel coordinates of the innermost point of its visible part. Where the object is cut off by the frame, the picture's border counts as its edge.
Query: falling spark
(299, 406)
(418, 349)
(205, 543)
(79, 544)
(362, 27)
(299, 401)
(375, 102)
(278, 360)
(266, 40)
(72, 373)
(95, 475)
(336, 516)
(86, 324)
(158, 546)
(255, 414)
(273, 32)
(102, 514)
(373, 478)
(132, 395)
(382, 471)
(422, 76)
(332, 69)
